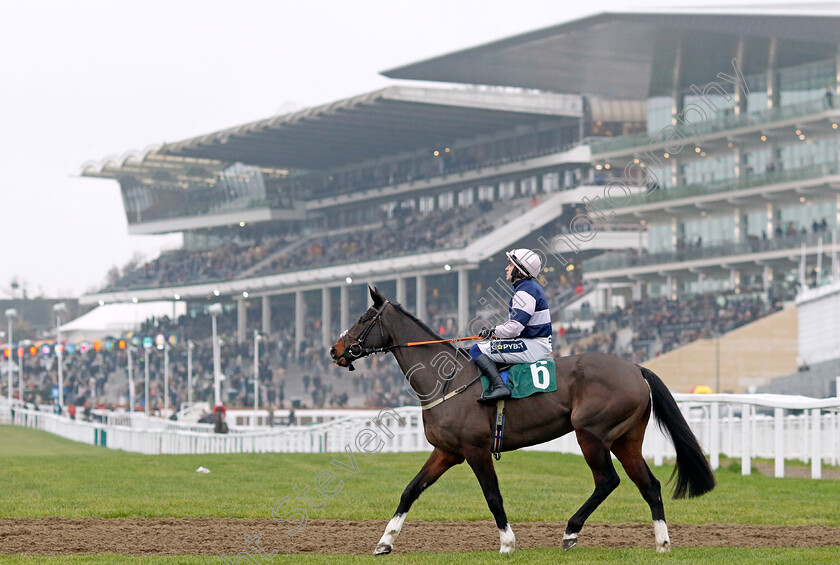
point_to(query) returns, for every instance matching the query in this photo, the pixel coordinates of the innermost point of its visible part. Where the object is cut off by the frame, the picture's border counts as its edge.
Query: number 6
(540, 375)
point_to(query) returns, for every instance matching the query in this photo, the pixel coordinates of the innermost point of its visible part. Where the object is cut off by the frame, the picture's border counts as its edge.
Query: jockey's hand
(486, 333)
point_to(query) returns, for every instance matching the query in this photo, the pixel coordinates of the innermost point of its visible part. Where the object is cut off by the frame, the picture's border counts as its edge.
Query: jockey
(526, 336)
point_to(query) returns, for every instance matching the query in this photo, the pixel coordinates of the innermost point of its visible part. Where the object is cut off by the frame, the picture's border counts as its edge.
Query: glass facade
(813, 217)
(757, 161)
(661, 238)
(807, 82)
(236, 189)
(807, 153)
(660, 113)
(756, 224)
(709, 170)
(710, 231)
(757, 99)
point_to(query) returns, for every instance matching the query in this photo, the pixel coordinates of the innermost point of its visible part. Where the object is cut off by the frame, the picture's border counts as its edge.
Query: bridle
(357, 350)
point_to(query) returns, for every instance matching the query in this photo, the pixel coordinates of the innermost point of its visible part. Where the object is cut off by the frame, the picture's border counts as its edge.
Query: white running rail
(744, 426)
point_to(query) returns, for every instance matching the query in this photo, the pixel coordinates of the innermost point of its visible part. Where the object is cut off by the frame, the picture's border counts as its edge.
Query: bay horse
(606, 401)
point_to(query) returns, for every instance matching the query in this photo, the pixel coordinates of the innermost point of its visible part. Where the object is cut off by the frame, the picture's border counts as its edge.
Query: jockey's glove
(486, 333)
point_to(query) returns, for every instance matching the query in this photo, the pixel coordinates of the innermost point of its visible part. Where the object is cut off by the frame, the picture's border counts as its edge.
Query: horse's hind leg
(481, 461)
(628, 449)
(606, 480)
(436, 465)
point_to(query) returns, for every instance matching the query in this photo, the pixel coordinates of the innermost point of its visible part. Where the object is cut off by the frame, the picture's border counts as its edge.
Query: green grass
(96, 482)
(578, 556)
(24, 442)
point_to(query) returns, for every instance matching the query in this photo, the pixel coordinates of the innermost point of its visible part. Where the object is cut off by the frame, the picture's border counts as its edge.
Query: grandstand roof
(151, 164)
(379, 123)
(633, 55)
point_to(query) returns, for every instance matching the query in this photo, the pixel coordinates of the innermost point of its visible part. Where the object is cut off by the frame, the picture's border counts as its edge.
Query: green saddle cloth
(526, 379)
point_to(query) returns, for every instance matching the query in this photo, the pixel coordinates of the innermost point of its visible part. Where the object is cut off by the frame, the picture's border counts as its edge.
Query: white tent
(117, 319)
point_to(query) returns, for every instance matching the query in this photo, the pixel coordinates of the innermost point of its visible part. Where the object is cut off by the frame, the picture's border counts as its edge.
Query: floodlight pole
(190, 346)
(166, 378)
(146, 392)
(215, 310)
(59, 351)
(130, 382)
(256, 374)
(20, 374)
(11, 313)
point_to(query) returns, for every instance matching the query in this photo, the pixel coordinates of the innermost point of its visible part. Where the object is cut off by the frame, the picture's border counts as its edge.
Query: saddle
(525, 379)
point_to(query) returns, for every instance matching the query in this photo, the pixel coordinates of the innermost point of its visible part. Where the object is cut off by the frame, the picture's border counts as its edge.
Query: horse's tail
(694, 475)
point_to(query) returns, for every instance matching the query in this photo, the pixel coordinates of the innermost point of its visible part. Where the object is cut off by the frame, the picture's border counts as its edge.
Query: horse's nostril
(332, 351)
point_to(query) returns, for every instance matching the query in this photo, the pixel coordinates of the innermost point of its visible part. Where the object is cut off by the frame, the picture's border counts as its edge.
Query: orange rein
(471, 338)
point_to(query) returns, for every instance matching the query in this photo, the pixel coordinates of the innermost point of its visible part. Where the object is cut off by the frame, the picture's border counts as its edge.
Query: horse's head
(363, 338)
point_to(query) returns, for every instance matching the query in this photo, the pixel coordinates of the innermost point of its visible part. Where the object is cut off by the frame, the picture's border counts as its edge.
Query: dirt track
(214, 536)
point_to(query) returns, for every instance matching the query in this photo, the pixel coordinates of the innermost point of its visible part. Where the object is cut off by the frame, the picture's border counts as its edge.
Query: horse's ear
(376, 296)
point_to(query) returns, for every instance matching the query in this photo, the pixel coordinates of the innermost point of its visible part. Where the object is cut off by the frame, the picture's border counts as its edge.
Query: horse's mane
(415, 319)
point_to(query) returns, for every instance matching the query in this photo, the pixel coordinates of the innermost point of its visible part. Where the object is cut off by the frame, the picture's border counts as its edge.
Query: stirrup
(492, 396)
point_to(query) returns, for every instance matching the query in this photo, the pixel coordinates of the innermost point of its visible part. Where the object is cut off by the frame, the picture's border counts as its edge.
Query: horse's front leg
(437, 464)
(481, 462)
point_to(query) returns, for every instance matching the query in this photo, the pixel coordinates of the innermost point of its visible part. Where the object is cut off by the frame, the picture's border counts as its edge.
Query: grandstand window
(660, 113)
(551, 181)
(757, 224)
(427, 204)
(755, 162)
(709, 170)
(807, 82)
(710, 232)
(803, 217)
(529, 186)
(757, 100)
(807, 154)
(445, 201)
(507, 190)
(466, 197)
(661, 238)
(663, 176)
(485, 193)
(725, 108)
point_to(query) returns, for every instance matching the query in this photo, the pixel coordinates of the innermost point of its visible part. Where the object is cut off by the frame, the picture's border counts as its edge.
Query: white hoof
(392, 530)
(508, 540)
(569, 541)
(382, 549)
(663, 541)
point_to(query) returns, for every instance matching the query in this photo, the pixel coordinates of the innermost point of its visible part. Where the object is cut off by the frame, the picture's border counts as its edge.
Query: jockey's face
(509, 271)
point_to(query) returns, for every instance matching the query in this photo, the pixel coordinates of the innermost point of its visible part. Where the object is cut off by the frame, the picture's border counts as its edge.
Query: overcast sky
(82, 80)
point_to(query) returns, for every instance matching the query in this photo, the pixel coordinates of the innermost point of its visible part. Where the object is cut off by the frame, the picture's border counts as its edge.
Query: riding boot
(497, 389)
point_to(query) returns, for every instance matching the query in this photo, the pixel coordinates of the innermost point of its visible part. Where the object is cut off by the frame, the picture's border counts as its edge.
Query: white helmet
(526, 261)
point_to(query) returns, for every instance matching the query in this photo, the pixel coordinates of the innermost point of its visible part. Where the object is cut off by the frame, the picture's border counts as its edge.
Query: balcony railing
(722, 122)
(728, 185)
(611, 261)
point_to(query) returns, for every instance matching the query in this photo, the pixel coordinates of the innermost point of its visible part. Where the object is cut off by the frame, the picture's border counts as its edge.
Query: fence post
(745, 439)
(816, 444)
(714, 440)
(779, 441)
(729, 436)
(658, 446)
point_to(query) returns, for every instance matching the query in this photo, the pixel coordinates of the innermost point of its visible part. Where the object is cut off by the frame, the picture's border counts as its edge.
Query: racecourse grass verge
(578, 556)
(536, 486)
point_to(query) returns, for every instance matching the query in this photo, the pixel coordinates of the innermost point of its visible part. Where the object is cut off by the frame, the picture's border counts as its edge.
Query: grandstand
(668, 165)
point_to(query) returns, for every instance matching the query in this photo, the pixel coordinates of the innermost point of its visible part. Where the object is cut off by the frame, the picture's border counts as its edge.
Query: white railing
(778, 427)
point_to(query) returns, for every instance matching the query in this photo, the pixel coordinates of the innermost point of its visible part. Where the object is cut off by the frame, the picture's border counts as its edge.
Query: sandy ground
(216, 536)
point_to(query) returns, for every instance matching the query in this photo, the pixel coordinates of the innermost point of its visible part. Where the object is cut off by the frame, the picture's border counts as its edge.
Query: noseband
(357, 350)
